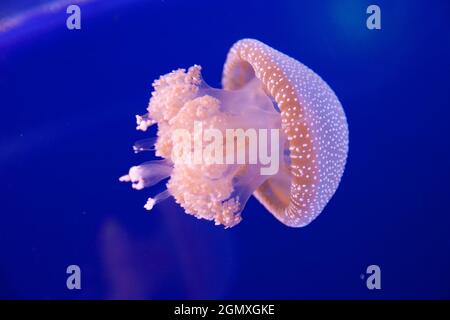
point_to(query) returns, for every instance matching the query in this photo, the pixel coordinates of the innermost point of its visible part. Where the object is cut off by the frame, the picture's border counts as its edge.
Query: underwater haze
(68, 100)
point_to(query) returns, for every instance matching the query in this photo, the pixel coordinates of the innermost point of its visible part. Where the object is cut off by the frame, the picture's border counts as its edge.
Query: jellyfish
(269, 97)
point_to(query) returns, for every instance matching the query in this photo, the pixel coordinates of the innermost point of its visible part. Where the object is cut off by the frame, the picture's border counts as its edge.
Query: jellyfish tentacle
(147, 174)
(144, 122)
(152, 201)
(145, 145)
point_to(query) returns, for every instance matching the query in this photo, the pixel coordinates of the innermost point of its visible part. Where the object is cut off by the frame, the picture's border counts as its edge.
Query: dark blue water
(68, 100)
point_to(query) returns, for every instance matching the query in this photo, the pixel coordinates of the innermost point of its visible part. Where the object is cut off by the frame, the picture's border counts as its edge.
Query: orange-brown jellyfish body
(264, 89)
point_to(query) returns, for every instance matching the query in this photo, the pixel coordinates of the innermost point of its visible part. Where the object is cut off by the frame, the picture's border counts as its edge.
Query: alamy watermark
(372, 277)
(74, 279)
(237, 146)
(73, 21)
(373, 22)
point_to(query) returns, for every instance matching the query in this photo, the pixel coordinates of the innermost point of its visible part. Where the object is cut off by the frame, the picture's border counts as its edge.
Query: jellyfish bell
(280, 114)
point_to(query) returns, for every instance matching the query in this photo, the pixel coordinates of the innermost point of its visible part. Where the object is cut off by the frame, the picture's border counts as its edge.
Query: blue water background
(67, 103)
